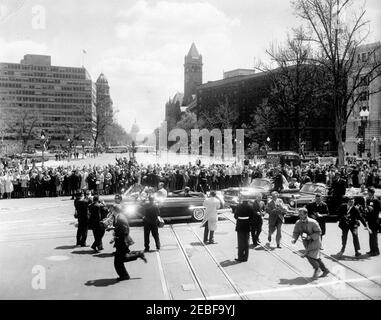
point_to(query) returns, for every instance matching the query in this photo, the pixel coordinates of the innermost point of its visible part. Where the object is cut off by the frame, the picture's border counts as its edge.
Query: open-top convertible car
(177, 205)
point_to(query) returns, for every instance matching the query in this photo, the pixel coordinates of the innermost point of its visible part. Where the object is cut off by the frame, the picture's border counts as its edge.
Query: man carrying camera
(310, 232)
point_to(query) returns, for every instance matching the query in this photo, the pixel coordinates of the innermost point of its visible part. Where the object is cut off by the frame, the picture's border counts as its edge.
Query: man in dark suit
(337, 190)
(349, 220)
(98, 212)
(122, 243)
(257, 221)
(81, 205)
(372, 212)
(276, 210)
(318, 210)
(150, 223)
(243, 214)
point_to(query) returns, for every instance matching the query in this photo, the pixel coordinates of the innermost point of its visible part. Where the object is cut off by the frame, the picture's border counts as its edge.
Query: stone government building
(245, 90)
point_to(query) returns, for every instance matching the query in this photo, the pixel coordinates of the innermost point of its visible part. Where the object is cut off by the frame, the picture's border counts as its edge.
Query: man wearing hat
(372, 211)
(349, 220)
(244, 215)
(81, 213)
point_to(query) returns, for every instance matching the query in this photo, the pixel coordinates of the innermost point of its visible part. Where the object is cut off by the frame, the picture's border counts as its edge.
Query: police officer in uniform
(372, 212)
(243, 214)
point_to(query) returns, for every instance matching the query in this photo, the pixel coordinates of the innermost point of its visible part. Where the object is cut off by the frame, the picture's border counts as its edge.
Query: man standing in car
(150, 223)
(243, 214)
(212, 204)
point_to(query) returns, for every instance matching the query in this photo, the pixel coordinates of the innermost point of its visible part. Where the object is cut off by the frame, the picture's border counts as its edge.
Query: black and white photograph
(207, 151)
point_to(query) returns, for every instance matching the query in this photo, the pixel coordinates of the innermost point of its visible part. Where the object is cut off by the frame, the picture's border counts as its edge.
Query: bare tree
(337, 41)
(104, 119)
(22, 125)
(295, 85)
(223, 116)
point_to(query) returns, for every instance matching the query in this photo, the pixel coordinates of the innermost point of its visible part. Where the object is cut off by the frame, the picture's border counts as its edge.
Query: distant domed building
(134, 131)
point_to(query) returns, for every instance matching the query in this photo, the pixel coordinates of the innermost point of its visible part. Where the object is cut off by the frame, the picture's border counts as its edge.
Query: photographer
(310, 231)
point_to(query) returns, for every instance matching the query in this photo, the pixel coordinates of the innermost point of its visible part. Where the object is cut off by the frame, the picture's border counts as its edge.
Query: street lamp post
(364, 114)
(43, 146)
(83, 149)
(268, 144)
(69, 148)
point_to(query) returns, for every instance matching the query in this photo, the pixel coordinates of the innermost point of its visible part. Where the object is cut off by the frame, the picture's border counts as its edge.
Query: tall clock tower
(192, 74)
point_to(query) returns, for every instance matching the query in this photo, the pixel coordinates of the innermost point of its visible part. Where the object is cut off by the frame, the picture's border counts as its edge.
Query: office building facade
(58, 101)
(367, 135)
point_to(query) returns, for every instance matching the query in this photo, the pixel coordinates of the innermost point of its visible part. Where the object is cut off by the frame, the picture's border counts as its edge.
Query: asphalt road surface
(38, 260)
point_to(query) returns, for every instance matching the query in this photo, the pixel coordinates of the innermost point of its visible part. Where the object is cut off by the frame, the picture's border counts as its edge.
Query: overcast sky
(140, 45)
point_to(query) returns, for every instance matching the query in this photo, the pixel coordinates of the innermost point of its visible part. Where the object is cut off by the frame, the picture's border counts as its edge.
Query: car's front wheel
(198, 214)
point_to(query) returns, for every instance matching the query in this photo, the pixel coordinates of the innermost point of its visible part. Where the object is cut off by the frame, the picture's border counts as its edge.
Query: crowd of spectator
(19, 179)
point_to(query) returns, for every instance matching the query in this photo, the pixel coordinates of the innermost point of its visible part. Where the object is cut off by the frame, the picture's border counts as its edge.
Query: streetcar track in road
(337, 277)
(291, 267)
(340, 263)
(190, 266)
(235, 287)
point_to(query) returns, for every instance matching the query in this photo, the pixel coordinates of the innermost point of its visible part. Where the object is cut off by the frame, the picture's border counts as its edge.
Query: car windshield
(313, 188)
(260, 183)
(231, 192)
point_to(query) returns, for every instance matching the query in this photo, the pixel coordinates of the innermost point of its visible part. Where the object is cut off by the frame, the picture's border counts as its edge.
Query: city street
(38, 260)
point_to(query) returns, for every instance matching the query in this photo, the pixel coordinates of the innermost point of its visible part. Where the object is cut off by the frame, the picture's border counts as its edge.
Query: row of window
(51, 94)
(42, 68)
(57, 100)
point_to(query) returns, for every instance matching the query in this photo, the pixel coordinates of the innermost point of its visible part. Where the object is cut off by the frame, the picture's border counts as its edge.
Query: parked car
(175, 206)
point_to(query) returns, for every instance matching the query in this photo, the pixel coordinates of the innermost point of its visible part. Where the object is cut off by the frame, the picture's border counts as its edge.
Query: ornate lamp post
(43, 141)
(364, 114)
(268, 144)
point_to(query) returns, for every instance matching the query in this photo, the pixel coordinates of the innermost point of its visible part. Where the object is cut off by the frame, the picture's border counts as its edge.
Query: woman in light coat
(8, 179)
